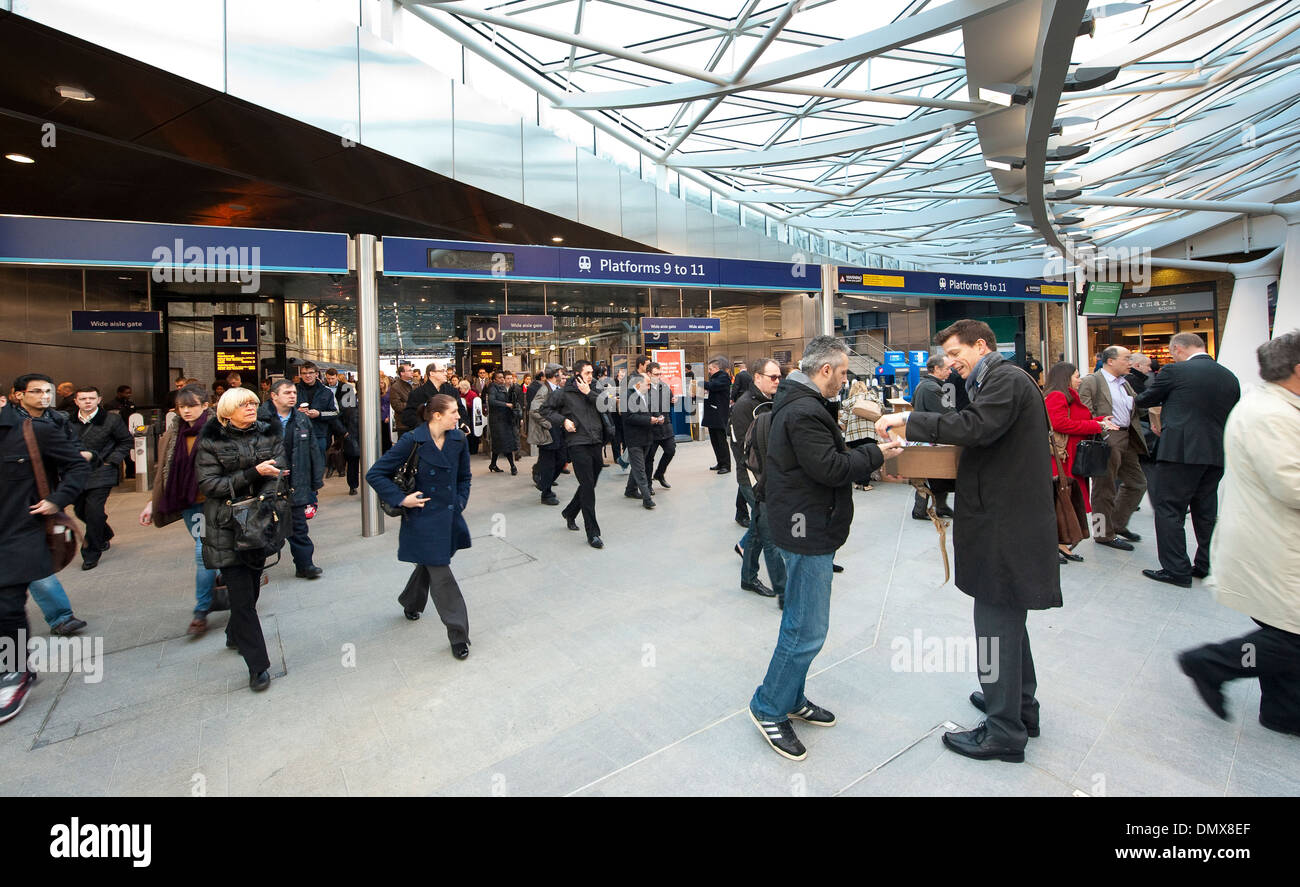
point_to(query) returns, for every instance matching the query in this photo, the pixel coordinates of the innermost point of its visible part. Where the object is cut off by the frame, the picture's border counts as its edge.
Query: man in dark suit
(1196, 394)
(1004, 533)
(717, 409)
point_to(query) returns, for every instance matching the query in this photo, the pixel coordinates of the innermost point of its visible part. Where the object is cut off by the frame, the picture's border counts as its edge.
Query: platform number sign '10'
(484, 332)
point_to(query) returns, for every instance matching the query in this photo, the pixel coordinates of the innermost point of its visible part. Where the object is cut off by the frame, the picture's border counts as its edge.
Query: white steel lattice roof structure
(874, 123)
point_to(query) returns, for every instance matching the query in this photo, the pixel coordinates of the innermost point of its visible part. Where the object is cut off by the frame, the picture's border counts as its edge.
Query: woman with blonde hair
(239, 457)
(858, 414)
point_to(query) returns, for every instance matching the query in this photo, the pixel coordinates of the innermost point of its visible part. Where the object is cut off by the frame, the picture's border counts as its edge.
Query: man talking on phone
(306, 473)
(1004, 533)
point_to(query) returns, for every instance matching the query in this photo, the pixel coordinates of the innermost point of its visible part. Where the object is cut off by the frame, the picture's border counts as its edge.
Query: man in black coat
(575, 408)
(758, 537)
(808, 479)
(24, 554)
(934, 394)
(717, 407)
(316, 400)
(105, 443)
(306, 470)
(1004, 533)
(638, 434)
(1195, 395)
(435, 382)
(548, 436)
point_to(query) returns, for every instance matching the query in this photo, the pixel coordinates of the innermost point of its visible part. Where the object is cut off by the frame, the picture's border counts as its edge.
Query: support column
(1073, 334)
(1287, 317)
(1247, 325)
(830, 275)
(372, 519)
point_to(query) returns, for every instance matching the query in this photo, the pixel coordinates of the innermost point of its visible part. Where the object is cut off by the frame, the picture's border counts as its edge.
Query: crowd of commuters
(800, 439)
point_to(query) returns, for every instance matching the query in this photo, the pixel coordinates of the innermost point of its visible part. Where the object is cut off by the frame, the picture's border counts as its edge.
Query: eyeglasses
(775, 377)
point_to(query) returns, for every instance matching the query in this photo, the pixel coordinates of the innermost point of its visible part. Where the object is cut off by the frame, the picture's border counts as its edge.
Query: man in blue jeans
(808, 478)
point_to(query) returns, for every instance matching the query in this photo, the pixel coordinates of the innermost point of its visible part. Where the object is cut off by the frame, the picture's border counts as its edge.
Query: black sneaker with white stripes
(780, 735)
(813, 714)
(14, 687)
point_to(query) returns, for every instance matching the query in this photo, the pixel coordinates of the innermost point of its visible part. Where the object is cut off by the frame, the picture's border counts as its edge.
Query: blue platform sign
(417, 257)
(950, 286)
(896, 360)
(526, 323)
(117, 321)
(919, 358)
(681, 325)
(175, 252)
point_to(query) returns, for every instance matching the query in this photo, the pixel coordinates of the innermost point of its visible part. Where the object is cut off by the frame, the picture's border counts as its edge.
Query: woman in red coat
(1069, 416)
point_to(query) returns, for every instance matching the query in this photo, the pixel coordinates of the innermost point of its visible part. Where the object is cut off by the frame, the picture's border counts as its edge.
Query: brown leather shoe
(198, 626)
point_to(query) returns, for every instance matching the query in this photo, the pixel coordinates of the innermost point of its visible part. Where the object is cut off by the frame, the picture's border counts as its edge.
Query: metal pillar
(1044, 338)
(1287, 316)
(1071, 344)
(372, 519)
(830, 275)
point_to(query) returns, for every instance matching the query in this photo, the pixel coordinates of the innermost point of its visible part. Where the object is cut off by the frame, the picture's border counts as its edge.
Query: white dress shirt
(1120, 402)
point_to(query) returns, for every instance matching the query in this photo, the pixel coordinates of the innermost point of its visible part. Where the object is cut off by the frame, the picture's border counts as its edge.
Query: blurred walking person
(105, 443)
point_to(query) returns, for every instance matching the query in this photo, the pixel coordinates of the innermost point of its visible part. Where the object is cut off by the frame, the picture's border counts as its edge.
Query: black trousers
(548, 466)
(300, 544)
(354, 472)
(616, 446)
(1002, 643)
(90, 508)
(638, 481)
(1180, 485)
(438, 582)
(13, 623)
(669, 446)
(1270, 654)
(244, 628)
(721, 449)
(385, 438)
(587, 463)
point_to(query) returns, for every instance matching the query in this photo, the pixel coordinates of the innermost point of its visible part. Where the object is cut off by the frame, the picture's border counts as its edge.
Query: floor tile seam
(895, 756)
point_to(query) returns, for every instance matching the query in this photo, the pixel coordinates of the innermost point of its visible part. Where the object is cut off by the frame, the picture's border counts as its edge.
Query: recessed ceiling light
(76, 93)
(492, 301)
(505, 226)
(19, 158)
(557, 239)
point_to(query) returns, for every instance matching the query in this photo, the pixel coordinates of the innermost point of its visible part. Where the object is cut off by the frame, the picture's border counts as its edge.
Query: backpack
(755, 447)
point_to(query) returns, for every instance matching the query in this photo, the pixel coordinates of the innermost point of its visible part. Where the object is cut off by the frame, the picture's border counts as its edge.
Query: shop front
(1145, 322)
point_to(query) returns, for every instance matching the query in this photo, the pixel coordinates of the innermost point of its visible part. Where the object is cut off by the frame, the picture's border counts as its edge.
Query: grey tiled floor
(618, 672)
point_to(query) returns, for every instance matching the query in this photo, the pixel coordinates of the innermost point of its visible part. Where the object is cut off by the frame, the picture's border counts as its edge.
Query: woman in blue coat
(433, 528)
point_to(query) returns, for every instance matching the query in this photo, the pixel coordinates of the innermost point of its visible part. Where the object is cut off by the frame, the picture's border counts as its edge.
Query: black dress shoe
(740, 552)
(260, 681)
(743, 521)
(494, 468)
(713, 467)
(461, 650)
(312, 572)
(944, 511)
(758, 588)
(550, 500)
(836, 568)
(663, 483)
(977, 744)
(1071, 556)
(571, 524)
(352, 492)
(628, 494)
(648, 504)
(724, 471)
(595, 542)
(1211, 691)
(412, 615)
(90, 565)
(1118, 544)
(1132, 537)
(1198, 573)
(1166, 576)
(1061, 559)
(977, 700)
(919, 515)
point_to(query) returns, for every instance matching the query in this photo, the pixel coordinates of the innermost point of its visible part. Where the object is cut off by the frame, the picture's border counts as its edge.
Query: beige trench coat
(1255, 552)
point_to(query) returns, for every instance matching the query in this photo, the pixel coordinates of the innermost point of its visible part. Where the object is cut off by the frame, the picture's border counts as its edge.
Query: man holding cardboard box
(1004, 533)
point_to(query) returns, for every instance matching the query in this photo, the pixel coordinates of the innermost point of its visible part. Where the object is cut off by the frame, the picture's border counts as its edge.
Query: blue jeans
(52, 599)
(204, 579)
(758, 539)
(804, 624)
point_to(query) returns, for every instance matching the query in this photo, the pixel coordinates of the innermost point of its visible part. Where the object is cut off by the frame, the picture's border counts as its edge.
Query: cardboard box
(923, 461)
(899, 404)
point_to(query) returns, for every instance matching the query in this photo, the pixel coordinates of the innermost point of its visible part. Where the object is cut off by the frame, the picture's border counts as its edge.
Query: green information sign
(1101, 298)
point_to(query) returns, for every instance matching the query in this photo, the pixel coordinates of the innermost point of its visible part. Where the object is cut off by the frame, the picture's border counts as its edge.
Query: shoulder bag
(261, 522)
(405, 481)
(61, 533)
(1091, 458)
(1071, 517)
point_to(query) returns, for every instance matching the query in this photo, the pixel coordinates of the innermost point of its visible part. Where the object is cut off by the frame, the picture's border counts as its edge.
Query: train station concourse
(510, 284)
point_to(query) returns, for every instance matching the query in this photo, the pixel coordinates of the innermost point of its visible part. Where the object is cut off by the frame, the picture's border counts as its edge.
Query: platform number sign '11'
(234, 331)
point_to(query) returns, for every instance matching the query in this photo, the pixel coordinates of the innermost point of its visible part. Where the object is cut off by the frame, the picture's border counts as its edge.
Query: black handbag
(1091, 458)
(405, 481)
(261, 522)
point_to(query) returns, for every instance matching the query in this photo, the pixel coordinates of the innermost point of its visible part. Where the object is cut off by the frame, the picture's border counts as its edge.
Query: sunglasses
(775, 377)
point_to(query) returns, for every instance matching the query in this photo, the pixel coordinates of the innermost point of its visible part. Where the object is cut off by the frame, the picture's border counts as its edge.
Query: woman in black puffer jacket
(238, 456)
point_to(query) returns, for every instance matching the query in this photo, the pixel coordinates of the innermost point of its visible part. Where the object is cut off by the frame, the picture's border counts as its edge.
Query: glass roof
(861, 122)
